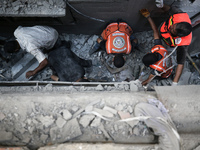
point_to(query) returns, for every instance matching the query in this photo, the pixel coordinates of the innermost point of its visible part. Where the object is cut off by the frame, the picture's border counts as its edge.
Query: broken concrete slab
(113, 111)
(86, 120)
(96, 122)
(70, 130)
(104, 113)
(60, 122)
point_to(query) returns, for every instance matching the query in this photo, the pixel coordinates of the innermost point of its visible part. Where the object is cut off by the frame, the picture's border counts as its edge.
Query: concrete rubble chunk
(86, 119)
(46, 120)
(60, 122)
(133, 86)
(96, 122)
(66, 114)
(124, 115)
(44, 138)
(70, 130)
(136, 131)
(104, 131)
(113, 111)
(54, 132)
(99, 88)
(104, 113)
(5, 136)
(2, 116)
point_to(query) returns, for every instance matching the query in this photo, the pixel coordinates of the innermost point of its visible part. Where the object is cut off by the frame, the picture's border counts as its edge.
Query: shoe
(94, 49)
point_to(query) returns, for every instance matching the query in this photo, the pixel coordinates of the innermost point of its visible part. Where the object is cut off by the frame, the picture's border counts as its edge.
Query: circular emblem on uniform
(177, 40)
(118, 42)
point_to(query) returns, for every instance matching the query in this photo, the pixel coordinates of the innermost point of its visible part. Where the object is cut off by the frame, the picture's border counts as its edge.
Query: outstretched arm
(42, 65)
(146, 14)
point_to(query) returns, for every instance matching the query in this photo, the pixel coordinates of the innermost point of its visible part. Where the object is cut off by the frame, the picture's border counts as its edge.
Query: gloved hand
(159, 3)
(145, 12)
(174, 83)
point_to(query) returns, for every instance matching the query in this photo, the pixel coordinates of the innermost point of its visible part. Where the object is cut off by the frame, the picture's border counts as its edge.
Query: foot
(54, 77)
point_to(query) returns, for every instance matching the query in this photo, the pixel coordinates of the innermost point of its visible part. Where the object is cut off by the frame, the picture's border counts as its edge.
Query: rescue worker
(33, 40)
(116, 39)
(176, 31)
(67, 65)
(156, 59)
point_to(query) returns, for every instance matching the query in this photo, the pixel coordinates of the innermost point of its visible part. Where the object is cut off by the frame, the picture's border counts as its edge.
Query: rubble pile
(14, 70)
(38, 123)
(32, 8)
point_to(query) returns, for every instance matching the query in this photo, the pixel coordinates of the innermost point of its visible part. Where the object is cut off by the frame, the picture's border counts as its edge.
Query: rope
(159, 74)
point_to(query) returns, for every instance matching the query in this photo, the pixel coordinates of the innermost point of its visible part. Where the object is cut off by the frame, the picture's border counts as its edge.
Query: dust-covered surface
(32, 8)
(81, 44)
(39, 119)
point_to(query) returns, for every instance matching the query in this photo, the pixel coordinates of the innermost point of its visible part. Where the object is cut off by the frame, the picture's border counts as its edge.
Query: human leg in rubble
(176, 31)
(161, 125)
(156, 58)
(67, 65)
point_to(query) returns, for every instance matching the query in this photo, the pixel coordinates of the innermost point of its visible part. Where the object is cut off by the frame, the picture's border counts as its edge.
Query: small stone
(43, 138)
(60, 122)
(75, 108)
(133, 87)
(66, 114)
(136, 131)
(130, 110)
(2, 116)
(46, 120)
(99, 88)
(86, 119)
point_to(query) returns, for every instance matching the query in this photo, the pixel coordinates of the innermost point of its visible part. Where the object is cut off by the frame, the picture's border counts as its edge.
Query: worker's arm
(42, 65)
(154, 28)
(179, 70)
(146, 14)
(148, 79)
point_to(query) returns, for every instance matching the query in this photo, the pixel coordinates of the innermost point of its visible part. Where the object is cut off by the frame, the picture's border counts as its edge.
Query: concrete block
(78, 112)
(113, 111)
(86, 119)
(66, 114)
(5, 136)
(184, 79)
(104, 113)
(96, 122)
(71, 130)
(133, 87)
(60, 122)
(46, 120)
(124, 115)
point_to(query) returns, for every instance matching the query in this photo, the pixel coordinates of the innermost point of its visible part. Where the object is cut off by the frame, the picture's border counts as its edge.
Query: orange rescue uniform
(175, 41)
(162, 65)
(117, 38)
